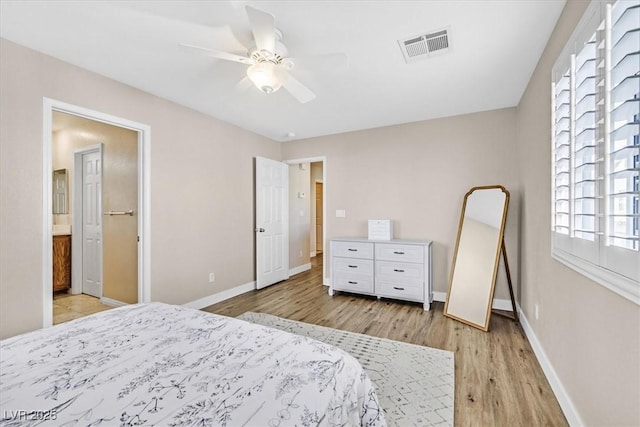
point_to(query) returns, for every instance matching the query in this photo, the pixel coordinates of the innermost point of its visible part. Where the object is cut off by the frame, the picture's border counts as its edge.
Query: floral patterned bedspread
(163, 365)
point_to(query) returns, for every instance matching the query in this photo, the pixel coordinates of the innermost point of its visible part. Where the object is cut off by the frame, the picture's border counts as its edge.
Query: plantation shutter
(585, 143)
(596, 148)
(562, 157)
(622, 140)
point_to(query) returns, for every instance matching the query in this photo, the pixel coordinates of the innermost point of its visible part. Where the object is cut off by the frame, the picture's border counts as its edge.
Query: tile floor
(68, 307)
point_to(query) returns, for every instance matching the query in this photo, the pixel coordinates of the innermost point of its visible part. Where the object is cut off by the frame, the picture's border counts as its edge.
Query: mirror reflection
(60, 192)
(476, 256)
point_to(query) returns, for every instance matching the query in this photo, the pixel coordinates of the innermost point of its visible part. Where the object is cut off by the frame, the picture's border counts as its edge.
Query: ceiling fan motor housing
(278, 55)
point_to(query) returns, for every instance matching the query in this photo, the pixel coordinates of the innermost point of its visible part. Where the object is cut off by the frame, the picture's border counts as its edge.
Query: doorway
(285, 194)
(138, 250)
(319, 213)
(305, 200)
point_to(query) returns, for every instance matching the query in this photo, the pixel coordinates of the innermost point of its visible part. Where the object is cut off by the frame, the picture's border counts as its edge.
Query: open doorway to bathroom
(97, 215)
(99, 270)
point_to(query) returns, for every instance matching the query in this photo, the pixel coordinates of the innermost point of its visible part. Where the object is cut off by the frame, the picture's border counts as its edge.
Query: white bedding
(158, 364)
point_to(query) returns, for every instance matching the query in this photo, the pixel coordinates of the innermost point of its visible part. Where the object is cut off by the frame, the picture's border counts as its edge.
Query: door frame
(50, 105)
(322, 159)
(77, 237)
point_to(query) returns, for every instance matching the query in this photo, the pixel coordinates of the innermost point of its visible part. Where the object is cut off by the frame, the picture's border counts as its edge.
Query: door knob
(260, 230)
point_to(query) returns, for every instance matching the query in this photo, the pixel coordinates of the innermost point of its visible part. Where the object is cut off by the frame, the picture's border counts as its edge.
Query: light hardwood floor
(498, 381)
(68, 307)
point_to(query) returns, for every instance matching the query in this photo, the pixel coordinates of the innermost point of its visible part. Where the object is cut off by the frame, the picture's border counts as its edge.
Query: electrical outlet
(300, 254)
(212, 277)
(535, 311)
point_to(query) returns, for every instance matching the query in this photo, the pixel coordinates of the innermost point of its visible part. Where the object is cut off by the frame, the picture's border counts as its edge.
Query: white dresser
(399, 269)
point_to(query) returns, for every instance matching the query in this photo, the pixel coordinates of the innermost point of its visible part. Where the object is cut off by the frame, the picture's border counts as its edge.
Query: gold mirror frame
(469, 300)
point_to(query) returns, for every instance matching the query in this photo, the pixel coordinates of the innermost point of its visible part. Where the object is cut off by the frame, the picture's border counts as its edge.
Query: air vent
(425, 45)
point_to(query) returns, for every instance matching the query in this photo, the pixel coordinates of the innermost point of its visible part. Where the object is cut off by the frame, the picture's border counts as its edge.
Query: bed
(164, 365)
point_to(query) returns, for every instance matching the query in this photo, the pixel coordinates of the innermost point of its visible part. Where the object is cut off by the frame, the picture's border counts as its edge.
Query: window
(596, 148)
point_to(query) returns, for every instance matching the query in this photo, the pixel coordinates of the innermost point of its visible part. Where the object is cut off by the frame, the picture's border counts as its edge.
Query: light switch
(301, 195)
(301, 212)
(341, 213)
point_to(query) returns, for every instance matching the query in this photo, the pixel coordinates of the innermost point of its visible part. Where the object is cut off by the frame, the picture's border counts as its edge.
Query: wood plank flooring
(498, 379)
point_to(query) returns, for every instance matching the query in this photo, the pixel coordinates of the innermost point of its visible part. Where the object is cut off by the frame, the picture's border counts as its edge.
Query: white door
(272, 222)
(92, 224)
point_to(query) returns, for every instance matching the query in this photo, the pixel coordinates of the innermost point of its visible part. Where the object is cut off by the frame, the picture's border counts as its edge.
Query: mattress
(159, 364)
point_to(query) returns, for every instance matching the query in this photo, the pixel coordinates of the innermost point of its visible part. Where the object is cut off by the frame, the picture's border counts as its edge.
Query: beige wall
(417, 175)
(590, 334)
(119, 193)
(201, 186)
(299, 214)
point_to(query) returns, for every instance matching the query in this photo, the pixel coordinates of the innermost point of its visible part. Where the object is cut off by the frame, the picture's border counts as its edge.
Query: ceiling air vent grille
(425, 45)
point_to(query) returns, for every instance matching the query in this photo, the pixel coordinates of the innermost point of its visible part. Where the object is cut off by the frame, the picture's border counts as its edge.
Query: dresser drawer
(352, 249)
(400, 271)
(399, 252)
(352, 266)
(399, 290)
(353, 283)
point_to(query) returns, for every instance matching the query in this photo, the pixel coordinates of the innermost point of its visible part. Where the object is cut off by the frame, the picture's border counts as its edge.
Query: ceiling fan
(269, 64)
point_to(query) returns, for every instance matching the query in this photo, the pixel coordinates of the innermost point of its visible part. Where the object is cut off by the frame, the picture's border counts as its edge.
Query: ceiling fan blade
(263, 25)
(327, 63)
(220, 54)
(295, 88)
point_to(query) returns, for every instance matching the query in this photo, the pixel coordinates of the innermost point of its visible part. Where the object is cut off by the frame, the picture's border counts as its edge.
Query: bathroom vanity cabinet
(61, 262)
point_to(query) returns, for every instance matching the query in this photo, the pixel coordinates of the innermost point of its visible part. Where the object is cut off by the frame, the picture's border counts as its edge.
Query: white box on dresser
(399, 269)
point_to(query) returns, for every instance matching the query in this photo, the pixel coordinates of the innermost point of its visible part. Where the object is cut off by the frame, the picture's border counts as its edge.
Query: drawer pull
(398, 289)
(353, 266)
(352, 250)
(351, 282)
(398, 252)
(398, 270)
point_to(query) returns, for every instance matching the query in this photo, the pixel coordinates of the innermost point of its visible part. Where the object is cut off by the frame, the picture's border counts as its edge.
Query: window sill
(621, 285)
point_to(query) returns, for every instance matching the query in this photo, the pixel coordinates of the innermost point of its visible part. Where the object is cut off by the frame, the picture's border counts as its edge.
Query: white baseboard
(221, 296)
(299, 269)
(498, 304)
(561, 394)
(112, 302)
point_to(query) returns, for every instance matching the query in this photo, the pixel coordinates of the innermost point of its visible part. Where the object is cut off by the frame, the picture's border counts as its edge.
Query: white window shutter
(596, 148)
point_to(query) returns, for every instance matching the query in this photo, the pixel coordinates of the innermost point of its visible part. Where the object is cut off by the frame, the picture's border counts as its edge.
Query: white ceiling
(495, 46)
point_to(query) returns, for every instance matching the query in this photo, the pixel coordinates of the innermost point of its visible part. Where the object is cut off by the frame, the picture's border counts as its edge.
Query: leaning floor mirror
(477, 256)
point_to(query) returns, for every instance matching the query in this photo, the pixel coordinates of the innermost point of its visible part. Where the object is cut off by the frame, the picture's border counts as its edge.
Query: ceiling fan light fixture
(264, 77)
